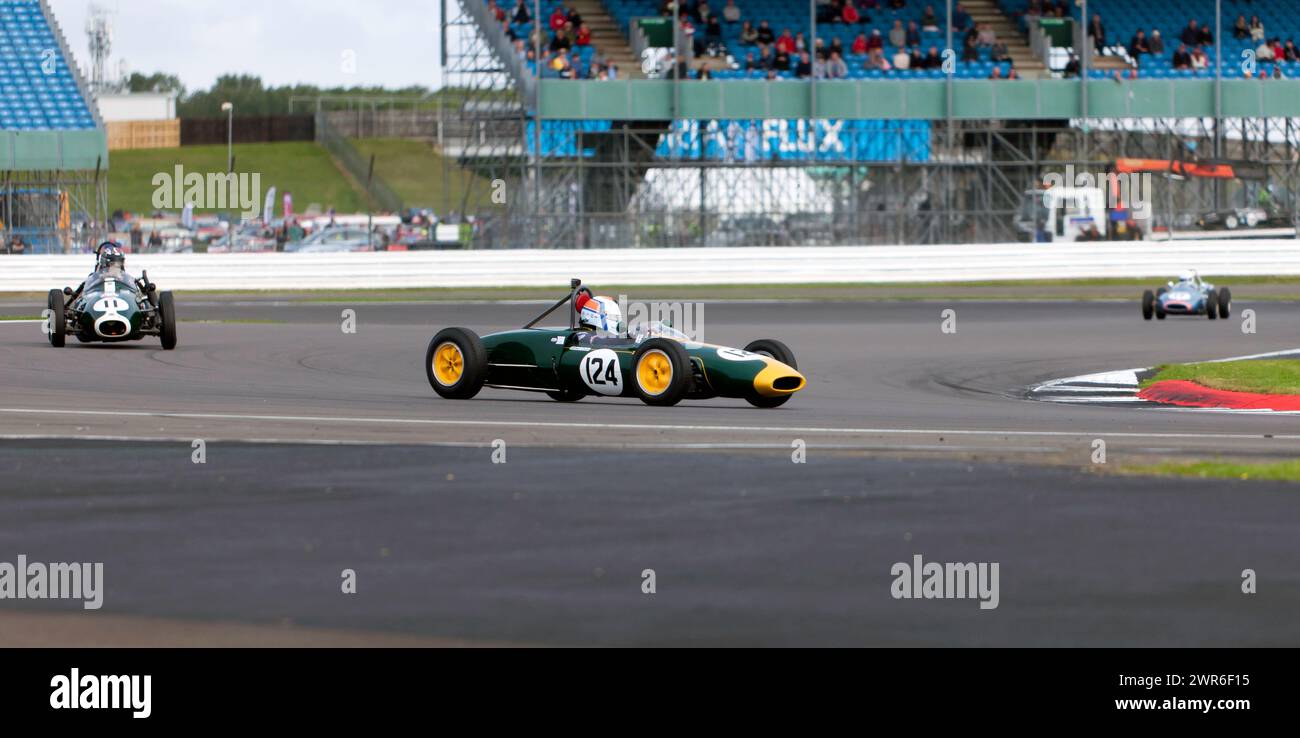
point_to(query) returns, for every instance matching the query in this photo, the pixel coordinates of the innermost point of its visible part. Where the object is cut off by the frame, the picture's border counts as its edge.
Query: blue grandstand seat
(37, 91)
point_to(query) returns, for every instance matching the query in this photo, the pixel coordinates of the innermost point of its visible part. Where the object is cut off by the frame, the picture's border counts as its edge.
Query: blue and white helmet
(600, 313)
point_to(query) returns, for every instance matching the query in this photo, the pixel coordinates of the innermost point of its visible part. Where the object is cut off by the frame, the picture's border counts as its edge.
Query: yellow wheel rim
(655, 372)
(448, 364)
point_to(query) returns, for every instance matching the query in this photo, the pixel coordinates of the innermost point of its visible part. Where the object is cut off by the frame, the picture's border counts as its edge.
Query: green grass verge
(1271, 376)
(16, 318)
(303, 168)
(424, 178)
(1283, 471)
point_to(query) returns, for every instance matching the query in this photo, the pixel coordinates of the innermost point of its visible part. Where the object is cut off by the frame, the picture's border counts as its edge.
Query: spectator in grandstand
(713, 29)
(875, 41)
(913, 34)
(1207, 36)
(497, 11)
(1256, 29)
(752, 64)
(786, 42)
(765, 34)
(996, 73)
(1137, 46)
(766, 58)
(837, 46)
(898, 35)
(1013, 74)
(16, 245)
(970, 50)
(897, 4)
(155, 240)
(987, 37)
(572, 16)
(850, 15)
(835, 66)
(1264, 52)
(1071, 67)
(771, 75)
(561, 41)
(929, 21)
(704, 73)
(559, 19)
(1290, 52)
(819, 50)
(1277, 72)
(1156, 44)
(818, 68)
(731, 12)
(932, 59)
(1182, 58)
(961, 20)
(1000, 53)
(902, 59)
(611, 71)
(1199, 59)
(782, 61)
(583, 37)
(1240, 28)
(828, 11)
(800, 44)
(1097, 30)
(748, 34)
(859, 45)
(522, 15)
(1191, 34)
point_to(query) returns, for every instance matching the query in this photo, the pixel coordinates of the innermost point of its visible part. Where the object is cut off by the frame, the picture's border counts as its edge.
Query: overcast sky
(282, 41)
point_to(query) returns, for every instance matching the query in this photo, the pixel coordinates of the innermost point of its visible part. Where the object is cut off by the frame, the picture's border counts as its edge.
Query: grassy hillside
(417, 173)
(301, 167)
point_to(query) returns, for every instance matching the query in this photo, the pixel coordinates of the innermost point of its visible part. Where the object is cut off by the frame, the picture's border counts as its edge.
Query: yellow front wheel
(662, 370)
(456, 363)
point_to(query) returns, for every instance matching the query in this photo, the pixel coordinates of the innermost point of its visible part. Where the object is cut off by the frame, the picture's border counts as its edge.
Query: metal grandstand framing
(634, 183)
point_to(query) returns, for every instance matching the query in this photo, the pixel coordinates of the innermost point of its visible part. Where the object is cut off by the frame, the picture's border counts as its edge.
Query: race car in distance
(597, 355)
(1189, 295)
(111, 306)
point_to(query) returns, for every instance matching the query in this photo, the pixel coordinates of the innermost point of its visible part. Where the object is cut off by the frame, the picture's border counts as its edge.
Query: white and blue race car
(1189, 295)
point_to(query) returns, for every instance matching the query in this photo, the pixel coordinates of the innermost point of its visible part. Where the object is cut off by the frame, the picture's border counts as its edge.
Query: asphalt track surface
(328, 451)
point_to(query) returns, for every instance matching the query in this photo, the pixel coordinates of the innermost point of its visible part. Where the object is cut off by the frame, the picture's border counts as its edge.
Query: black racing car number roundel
(600, 372)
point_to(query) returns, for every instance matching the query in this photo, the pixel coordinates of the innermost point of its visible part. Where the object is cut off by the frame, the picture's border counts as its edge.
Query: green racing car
(596, 355)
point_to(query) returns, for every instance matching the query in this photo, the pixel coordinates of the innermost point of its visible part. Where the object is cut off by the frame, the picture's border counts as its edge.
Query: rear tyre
(1212, 305)
(1148, 305)
(661, 371)
(167, 316)
(58, 325)
(1231, 222)
(782, 353)
(1225, 303)
(456, 363)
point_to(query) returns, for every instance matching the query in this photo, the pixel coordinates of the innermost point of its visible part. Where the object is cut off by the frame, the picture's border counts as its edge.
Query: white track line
(635, 426)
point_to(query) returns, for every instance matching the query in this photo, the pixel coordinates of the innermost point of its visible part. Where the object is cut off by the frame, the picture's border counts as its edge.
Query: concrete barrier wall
(819, 265)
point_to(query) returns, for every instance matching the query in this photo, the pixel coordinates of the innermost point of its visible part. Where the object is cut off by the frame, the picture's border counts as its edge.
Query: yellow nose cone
(778, 379)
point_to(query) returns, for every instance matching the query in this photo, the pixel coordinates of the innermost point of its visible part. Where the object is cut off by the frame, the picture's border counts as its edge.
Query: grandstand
(952, 154)
(53, 146)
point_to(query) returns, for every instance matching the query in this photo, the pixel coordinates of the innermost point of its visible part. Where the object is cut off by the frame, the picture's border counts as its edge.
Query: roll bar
(575, 285)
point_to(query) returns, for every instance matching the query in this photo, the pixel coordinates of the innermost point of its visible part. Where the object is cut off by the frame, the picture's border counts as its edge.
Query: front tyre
(456, 363)
(167, 319)
(775, 349)
(1212, 305)
(1225, 303)
(58, 321)
(661, 371)
(1148, 305)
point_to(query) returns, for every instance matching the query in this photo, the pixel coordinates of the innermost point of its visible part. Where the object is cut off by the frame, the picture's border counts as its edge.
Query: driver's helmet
(1187, 277)
(600, 313)
(110, 257)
